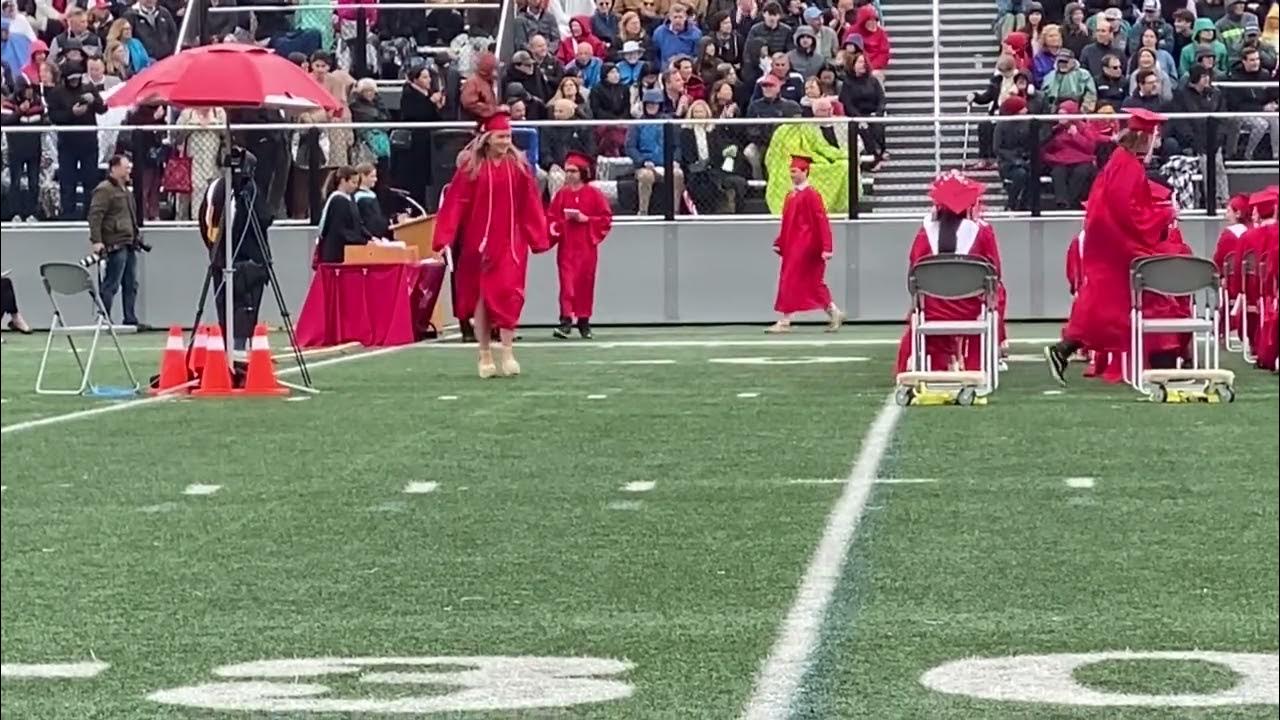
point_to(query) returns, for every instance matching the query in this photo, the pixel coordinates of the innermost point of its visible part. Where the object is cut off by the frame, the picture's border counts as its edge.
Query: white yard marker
(905, 481)
(1079, 483)
(628, 505)
(597, 397)
(748, 395)
(52, 670)
(421, 488)
(297, 398)
(789, 659)
(639, 486)
(817, 481)
(160, 508)
(198, 489)
(447, 397)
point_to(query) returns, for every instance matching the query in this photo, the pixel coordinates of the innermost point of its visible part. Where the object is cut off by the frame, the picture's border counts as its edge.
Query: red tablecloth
(374, 305)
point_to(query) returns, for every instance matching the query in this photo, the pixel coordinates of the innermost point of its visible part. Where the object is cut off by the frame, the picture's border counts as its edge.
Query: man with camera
(114, 237)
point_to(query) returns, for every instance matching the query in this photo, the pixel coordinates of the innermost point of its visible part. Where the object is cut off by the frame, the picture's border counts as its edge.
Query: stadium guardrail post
(855, 167)
(1033, 177)
(1211, 166)
(360, 49)
(669, 169)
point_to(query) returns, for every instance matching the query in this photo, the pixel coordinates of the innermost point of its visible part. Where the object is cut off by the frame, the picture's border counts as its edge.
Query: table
(375, 305)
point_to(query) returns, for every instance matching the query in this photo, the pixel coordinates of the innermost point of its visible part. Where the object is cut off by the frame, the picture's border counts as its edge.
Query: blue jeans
(121, 274)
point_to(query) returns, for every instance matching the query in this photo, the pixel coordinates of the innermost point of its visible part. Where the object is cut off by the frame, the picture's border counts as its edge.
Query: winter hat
(1066, 54)
(1204, 52)
(812, 13)
(1150, 6)
(631, 46)
(1251, 25)
(1013, 105)
(652, 96)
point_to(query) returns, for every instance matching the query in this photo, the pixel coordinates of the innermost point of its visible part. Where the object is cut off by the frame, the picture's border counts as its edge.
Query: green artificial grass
(533, 542)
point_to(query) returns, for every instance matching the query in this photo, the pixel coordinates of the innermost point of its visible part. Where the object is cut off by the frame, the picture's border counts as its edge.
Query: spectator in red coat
(1069, 154)
(875, 41)
(579, 32)
(1018, 45)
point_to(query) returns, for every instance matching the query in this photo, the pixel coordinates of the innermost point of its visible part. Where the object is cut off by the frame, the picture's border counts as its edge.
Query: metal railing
(739, 183)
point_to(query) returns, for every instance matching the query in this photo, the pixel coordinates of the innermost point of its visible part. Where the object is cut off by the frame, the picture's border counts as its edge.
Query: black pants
(247, 285)
(121, 275)
(986, 140)
(1017, 181)
(23, 163)
(8, 300)
(1071, 183)
(77, 165)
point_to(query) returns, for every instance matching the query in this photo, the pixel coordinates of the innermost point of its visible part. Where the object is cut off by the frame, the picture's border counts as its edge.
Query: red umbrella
(224, 75)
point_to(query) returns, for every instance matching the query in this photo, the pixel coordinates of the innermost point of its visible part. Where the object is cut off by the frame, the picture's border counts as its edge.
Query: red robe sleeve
(990, 247)
(556, 219)
(454, 208)
(1121, 202)
(920, 248)
(1074, 271)
(600, 217)
(531, 221)
(820, 219)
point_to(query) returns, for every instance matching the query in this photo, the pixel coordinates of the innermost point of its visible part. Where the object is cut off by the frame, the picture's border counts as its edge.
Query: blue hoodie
(631, 73)
(590, 74)
(668, 43)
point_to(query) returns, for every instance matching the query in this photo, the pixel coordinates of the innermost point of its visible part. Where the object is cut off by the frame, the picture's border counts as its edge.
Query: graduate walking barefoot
(578, 221)
(493, 209)
(804, 243)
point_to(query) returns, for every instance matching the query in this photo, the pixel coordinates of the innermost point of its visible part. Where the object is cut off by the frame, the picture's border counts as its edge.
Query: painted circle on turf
(1050, 679)
(475, 682)
(796, 360)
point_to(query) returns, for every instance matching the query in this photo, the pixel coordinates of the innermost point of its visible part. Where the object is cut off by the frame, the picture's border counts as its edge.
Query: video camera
(242, 164)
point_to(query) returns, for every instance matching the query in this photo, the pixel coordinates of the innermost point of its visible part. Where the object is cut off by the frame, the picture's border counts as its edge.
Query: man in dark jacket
(75, 106)
(154, 27)
(1151, 18)
(1261, 99)
(1113, 84)
(765, 39)
(113, 235)
(1198, 95)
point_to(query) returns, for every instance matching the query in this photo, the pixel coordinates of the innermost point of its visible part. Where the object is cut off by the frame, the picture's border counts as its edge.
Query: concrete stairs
(966, 60)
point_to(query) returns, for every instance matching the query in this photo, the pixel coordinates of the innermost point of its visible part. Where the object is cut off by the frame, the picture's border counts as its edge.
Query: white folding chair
(954, 277)
(1196, 280)
(1232, 337)
(70, 279)
(1250, 279)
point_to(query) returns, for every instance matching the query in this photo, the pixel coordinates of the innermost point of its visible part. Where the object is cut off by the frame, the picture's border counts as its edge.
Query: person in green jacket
(1206, 35)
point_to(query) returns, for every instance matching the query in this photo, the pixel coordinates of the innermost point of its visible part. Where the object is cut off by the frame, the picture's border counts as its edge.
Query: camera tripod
(248, 195)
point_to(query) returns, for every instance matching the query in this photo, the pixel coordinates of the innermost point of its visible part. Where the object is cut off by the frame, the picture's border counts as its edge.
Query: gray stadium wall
(687, 272)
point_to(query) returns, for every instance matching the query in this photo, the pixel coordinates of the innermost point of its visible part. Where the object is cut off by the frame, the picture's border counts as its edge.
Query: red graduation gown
(805, 235)
(972, 238)
(1075, 265)
(576, 256)
(495, 217)
(1256, 240)
(1122, 222)
(1265, 241)
(1163, 307)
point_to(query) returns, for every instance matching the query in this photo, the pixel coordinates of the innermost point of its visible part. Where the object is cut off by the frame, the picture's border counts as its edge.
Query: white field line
(639, 486)
(85, 669)
(1080, 483)
(878, 481)
(198, 489)
(748, 394)
(421, 488)
(103, 410)
(780, 676)
(905, 481)
(817, 342)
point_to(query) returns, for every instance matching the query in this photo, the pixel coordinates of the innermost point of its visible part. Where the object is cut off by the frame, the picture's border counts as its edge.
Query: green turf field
(676, 523)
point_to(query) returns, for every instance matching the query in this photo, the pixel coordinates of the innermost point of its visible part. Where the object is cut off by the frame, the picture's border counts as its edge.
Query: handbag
(177, 174)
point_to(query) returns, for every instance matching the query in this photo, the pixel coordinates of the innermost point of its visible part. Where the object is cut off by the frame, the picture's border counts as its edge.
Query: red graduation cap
(1264, 201)
(955, 193)
(579, 161)
(1144, 120)
(496, 122)
(801, 162)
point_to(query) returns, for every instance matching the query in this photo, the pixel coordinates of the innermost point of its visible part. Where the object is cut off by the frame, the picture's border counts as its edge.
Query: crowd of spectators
(580, 61)
(1110, 56)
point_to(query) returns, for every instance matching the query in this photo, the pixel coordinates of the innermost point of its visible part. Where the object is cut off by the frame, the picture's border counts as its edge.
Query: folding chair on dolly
(951, 278)
(1250, 275)
(70, 279)
(1197, 280)
(1232, 337)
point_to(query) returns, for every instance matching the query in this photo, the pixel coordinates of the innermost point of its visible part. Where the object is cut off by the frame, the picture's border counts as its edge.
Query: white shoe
(485, 367)
(778, 328)
(510, 367)
(837, 319)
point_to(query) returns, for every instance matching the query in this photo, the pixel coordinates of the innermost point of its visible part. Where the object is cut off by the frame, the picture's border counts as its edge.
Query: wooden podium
(416, 233)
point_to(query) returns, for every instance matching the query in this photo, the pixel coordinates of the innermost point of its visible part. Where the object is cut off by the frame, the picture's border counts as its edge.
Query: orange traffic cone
(215, 381)
(261, 379)
(173, 370)
(199, 348)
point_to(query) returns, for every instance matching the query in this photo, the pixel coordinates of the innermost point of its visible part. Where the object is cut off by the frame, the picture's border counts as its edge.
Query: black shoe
(584, 330)
(563, 331)
(1057, 361)
(468, 337)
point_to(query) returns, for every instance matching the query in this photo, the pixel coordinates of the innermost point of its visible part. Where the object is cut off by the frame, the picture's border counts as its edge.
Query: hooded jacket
(1188, 57)
(1074, 84)
(669, 43)
(567, 51)
(806, 62)
(875, 45)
